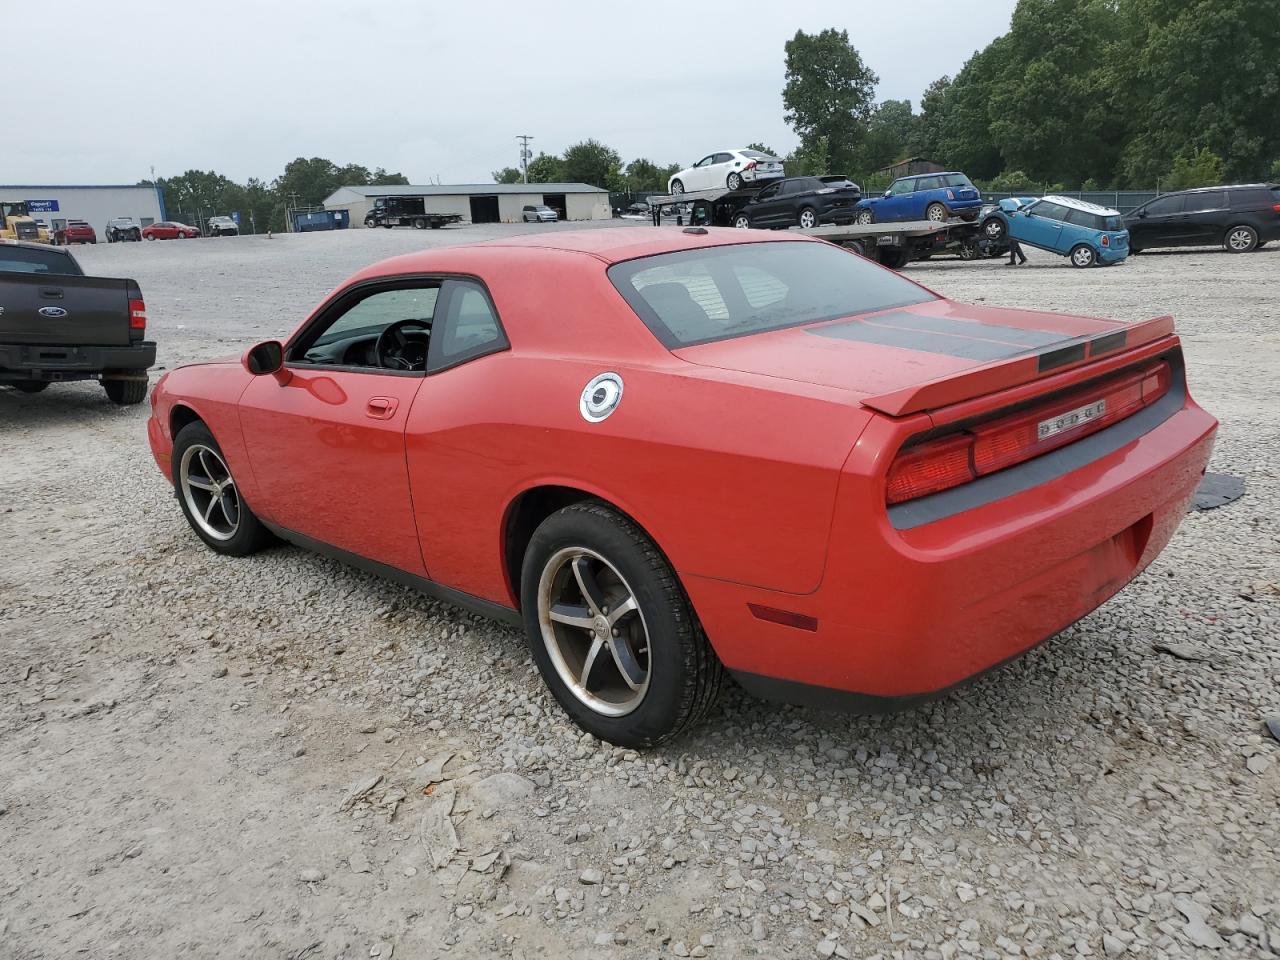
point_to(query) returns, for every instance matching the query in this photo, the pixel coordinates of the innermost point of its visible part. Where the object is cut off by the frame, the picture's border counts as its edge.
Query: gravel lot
(273, 757)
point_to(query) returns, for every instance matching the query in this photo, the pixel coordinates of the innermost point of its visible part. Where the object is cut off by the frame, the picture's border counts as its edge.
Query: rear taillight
(1106, 241)
(137, 315)
(997, 444)
(951, 195)
(1276, 207)
(751, 165)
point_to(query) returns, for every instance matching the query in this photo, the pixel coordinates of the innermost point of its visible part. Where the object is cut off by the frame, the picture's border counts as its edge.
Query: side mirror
(267, 358)
(886, 193)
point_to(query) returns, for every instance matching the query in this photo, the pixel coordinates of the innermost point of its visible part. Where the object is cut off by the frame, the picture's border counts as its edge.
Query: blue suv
(1084, 232)
(925, 196)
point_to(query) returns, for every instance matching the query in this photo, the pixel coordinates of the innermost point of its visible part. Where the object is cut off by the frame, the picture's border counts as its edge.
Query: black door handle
(51, 293)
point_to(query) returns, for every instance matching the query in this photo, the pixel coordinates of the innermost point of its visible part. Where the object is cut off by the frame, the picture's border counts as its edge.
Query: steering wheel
(395, 351)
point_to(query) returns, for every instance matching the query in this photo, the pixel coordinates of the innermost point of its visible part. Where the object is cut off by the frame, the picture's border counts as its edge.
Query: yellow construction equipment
(16, 223)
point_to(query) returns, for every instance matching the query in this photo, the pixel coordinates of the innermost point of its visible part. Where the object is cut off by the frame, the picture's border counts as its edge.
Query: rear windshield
(957, 180)
(718, 293)
(28, 260)
(755, 155)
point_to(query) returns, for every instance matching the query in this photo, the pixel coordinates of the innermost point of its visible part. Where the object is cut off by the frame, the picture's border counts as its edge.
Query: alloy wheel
(594, 631)
(209, 491)
(1240, 239)
(1082, 256)
(742, 221)
(808, 219)
(936, 212)
(734, 181)
(994, 229)
(864, 216)
(677, 188)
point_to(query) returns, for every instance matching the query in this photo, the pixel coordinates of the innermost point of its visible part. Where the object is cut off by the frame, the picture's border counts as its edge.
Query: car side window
(469, 327)
(709, 159)
(349, 334)
(899, 187)
(1163, 206)
(769, 192)
(929, 183)
(723, 158)
(957, 180)
(1209, 200)
(1050, 211)
(1081, 218)
(793, 187)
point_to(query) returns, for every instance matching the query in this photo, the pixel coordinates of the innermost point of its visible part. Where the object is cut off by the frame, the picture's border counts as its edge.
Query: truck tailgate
(49, 309)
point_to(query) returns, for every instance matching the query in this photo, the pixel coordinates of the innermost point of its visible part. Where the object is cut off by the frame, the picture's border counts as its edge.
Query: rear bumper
(56, 362)
(905, 615)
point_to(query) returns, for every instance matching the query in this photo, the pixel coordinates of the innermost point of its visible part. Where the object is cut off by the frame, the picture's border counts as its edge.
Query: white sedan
(728, 168)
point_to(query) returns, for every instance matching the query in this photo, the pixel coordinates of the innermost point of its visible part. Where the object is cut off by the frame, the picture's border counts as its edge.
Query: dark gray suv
(1240, 218)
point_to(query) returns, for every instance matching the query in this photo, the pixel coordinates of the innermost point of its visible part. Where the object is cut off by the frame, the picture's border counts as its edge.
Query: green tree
(761, 148)
(592, 162)
(545, 168)
(507, 175)
(811, 159)
(1011, 181)
(888, 136)
(828, 94)
(644, 174)
(1200, 169)
(383, 178)
(927, 132)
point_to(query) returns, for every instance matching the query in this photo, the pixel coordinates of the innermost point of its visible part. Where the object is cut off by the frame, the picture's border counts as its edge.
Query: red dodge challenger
(672, 454)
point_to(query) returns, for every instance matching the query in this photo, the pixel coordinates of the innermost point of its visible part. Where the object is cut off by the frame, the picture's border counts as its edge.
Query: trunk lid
(928, 355)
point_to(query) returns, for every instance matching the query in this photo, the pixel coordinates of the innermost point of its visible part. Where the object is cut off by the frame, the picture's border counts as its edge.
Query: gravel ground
(280, 757)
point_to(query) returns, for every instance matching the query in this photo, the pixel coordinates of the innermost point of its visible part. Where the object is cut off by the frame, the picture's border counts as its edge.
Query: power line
(524, 139)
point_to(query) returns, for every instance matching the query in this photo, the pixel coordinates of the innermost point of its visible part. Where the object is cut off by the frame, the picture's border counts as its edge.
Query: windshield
(717, 293)
(28, 260)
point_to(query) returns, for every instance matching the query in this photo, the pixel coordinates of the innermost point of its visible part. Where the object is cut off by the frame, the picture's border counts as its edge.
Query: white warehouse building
(55, 205)
(481, 202)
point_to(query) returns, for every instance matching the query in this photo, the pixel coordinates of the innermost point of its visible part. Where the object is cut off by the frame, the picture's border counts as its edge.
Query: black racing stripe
(963, 348)
(1108, 342)
(970, 328)
(1052, 359)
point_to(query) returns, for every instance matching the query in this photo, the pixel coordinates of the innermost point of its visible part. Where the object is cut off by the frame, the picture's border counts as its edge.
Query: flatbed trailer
(407, 212)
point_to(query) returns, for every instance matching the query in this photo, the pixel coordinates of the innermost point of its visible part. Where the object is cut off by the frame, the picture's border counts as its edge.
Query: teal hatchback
(1085, 233)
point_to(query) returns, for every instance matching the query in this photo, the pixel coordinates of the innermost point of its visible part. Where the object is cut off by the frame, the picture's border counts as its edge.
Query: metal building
(481, 202)
(95, 204)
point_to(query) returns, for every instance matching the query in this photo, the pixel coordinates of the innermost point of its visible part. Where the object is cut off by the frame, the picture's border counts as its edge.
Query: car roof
(27, 245)
(1227, 186)
(1084, 205)
(935, 173)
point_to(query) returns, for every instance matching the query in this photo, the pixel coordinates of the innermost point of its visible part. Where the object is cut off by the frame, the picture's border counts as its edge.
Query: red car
(169, 230)
(674, 453)
(76, 231)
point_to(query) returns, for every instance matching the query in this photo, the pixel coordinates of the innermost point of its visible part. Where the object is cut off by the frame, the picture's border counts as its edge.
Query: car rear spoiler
(1003, 374)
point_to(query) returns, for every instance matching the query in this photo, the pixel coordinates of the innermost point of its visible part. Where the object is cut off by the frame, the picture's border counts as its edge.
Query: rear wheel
(125, 392)
(866, 216)
(733, 181)
(151, 236)
(857, 246)
(893, 258)
(29, 386)
(677, 187)
(209, 497)
(935, 212)
(611, 630)
(1241, 239)
(808, 218)
(968, 252)
(420, 223)
(1082, 255)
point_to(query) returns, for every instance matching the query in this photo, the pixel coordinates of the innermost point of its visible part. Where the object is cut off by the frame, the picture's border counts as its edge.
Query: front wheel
(935, 213)
(865, 217)
(994, 229)
(420, 224)
(611, 630)
(209, 496)
(742, 221)
(151, 236)
(677, 187)
(733, 181)
(1082, 255)
(1241, 239)
(808, 218)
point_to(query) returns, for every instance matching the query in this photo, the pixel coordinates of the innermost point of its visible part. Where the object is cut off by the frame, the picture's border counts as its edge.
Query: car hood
(925, 355)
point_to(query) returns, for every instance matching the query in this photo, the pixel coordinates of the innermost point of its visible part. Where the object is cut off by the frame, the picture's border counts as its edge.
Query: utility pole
(524, 139)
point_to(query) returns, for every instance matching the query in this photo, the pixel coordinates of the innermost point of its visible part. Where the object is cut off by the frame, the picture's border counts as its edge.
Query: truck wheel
(420, 224)
(611, 630)
(125, 392)
(866, 216)
(29, 386)
(209, 496)
(808, 218)
(436, 224)
(892, 258)
(935, 212)
(857, 246)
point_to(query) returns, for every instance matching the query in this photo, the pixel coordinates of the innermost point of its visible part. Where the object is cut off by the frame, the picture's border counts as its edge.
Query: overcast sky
(432, 89)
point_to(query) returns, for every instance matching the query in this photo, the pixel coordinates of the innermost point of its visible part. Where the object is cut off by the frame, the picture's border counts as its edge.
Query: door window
(1081, 218)
(1050, 211)
(1209, 200)
(901, 187)
(348, 335)
(722, 158)
(1163, 206)
(929, 183)
(706, 161)
(468, 329)
(769, 192)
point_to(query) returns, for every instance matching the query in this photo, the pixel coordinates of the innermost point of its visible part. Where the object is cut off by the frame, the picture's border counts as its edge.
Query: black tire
(1241, 238)
(420, 223)
(807, 218)
(734, 180)
(436, 224)
(968, 252)
(250, 534)
(893, 258)
(684, 675)
(857, 246)
(742, 221)
(29, 386)
(677, 187)
(994, 229)
(125, 392)
(135, 236)
(1083, 255)
(936, 213)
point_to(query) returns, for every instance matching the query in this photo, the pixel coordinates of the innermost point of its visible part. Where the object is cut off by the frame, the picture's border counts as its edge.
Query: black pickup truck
(57, 324)
(406, 212)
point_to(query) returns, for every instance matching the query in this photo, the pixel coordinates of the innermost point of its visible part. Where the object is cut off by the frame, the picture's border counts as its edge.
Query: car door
(927, 190)
(702, 173)
(1042, 225)
(897, 205)
(1204, 217)
(1158, 224)
(327, 446)
(764, 209)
